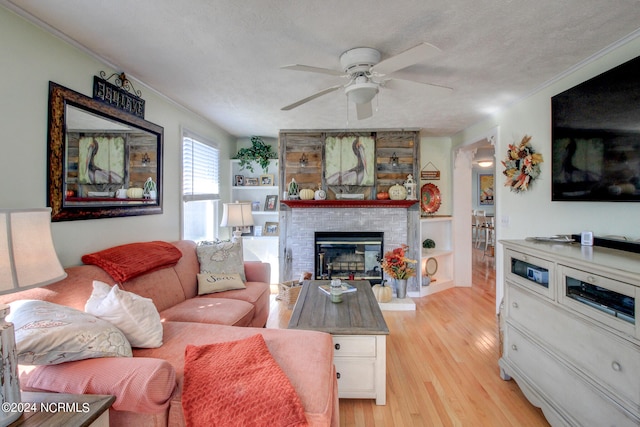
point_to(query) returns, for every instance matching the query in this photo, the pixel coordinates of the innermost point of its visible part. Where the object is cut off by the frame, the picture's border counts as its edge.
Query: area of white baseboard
(403, 304)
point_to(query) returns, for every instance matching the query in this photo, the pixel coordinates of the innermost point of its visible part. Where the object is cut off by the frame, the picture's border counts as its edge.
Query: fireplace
(348, 255)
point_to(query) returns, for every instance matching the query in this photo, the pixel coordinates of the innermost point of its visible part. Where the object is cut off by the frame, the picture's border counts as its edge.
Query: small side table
(64, 410)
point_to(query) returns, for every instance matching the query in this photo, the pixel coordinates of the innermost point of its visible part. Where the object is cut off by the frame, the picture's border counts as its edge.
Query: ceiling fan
(366, 74)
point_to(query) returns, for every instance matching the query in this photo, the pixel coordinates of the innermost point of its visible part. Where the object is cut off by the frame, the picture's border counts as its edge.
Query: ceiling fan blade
(364, 111)
(432, 89)
(409, 57)
(309, 68)
(310, 98)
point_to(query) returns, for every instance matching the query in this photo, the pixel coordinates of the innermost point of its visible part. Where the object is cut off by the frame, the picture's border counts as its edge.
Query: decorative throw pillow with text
(221, 257)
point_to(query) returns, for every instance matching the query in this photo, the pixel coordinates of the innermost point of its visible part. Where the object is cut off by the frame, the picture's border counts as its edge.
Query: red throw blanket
(238, 383)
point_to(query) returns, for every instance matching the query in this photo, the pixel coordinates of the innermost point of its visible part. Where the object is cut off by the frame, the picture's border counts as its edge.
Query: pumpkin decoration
(306, 194)
(383, 195)
(382, 293)
(135, 193)
(397, 192)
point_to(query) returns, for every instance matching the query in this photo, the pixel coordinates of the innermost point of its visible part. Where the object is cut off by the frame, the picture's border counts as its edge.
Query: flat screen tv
(596, 138)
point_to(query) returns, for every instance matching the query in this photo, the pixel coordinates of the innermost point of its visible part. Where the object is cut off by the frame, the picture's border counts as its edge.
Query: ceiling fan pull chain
(347, 102)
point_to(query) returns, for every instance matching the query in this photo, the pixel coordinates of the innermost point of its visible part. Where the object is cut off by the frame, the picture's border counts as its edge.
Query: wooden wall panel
(293, 144)
(292, 147)
(405, 145)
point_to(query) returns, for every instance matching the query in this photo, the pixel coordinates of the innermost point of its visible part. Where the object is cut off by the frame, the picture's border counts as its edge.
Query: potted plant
(259, 152)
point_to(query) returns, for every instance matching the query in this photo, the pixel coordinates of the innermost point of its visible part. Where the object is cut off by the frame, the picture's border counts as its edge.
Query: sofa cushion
(210, 283)
(134, 315)
(221, 257)
(220, 311)
(139, 384)
(295, 351)
(239, 383)
(48, 334)
(125, 262)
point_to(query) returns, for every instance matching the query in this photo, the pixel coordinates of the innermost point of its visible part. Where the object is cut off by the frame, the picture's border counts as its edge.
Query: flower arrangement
(397, 265)
(522, 165)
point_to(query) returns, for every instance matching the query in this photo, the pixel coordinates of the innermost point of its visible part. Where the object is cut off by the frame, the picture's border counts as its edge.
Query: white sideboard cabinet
(570, 333)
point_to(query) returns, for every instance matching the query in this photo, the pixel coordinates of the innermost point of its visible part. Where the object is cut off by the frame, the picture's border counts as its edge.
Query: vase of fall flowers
(396, 264)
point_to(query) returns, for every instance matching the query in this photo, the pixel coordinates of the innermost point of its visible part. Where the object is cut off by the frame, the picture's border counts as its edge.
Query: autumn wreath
(522, 165)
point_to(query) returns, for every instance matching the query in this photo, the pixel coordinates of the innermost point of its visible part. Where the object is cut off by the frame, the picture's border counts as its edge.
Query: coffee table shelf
(359, 336)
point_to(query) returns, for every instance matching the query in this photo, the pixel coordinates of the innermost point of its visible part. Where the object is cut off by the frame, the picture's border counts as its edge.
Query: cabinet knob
(514, 347)
(514, 305)
(337, 346)
(338, 375)
(591, 279)
(616, 366)
(525, 258)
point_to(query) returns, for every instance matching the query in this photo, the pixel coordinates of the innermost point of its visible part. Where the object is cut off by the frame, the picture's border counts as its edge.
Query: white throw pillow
(209, 283)
(221, 257)
(136, 316)
(48, 334)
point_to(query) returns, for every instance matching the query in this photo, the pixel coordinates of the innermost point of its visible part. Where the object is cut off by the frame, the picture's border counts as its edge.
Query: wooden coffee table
(359, 336)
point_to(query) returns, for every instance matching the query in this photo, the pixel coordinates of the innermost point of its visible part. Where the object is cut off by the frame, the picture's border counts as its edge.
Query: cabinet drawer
(561, 386)
(607, 358)
(535, 274)
(603, 299)
(355, 376)
(354, 346)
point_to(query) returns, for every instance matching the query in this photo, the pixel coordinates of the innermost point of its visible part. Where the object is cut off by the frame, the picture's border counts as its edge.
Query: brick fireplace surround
(299, 224)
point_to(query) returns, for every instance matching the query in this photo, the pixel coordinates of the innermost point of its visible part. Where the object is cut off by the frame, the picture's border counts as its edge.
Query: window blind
(200, 164)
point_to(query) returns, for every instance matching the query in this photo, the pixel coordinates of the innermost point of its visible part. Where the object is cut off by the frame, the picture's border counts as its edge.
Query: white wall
(438, 152)
(532, 213)
(30, 58)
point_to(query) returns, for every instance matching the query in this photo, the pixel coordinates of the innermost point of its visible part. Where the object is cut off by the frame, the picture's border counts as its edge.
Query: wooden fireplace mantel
(349, 203)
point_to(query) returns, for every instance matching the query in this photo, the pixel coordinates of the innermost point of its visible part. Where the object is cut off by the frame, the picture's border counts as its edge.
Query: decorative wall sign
(522, 165)
(118, 95)
(427, 173)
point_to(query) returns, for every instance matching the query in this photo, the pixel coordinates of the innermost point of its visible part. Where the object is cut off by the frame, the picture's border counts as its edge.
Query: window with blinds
(200, 187)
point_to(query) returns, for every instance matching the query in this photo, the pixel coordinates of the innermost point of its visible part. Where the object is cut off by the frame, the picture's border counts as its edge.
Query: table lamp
(236, 215)
(27, 259)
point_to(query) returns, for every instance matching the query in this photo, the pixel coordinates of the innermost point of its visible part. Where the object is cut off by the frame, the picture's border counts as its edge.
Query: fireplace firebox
(349, 255)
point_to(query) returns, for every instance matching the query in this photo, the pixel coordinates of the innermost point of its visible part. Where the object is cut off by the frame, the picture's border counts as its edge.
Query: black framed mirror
(103, 162)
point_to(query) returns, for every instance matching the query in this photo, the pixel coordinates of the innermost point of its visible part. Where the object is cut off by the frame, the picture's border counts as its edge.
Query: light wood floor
(442, 363)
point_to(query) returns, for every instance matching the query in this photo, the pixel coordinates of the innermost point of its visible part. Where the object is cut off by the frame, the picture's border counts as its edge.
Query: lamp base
(237, 235)
(9, 381)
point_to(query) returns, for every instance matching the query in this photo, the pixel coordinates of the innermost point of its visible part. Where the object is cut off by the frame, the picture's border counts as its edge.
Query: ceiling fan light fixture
(361, 93)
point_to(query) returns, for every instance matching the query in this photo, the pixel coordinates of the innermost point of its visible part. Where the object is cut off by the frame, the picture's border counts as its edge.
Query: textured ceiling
(222, 58)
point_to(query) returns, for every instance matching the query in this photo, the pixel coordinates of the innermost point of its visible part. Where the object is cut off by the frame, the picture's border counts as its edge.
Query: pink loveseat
(148, 387)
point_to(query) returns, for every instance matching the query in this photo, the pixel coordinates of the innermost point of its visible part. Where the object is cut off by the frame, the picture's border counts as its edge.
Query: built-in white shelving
(262, 247)
(439, 229)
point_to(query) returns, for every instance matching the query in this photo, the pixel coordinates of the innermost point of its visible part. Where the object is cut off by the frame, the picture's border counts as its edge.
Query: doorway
(464, 190)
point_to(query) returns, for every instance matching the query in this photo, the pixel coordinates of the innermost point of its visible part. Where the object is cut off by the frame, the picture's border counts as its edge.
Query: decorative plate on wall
(430, 198)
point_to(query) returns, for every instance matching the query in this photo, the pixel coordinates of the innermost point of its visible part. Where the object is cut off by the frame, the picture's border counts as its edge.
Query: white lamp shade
(236, 215)
(27, 255)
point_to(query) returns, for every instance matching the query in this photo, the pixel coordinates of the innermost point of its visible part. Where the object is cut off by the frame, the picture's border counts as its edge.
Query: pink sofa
(148, 386)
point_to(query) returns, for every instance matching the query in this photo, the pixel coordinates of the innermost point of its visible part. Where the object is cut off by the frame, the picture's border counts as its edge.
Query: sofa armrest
(140, 384)
(257, 271)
